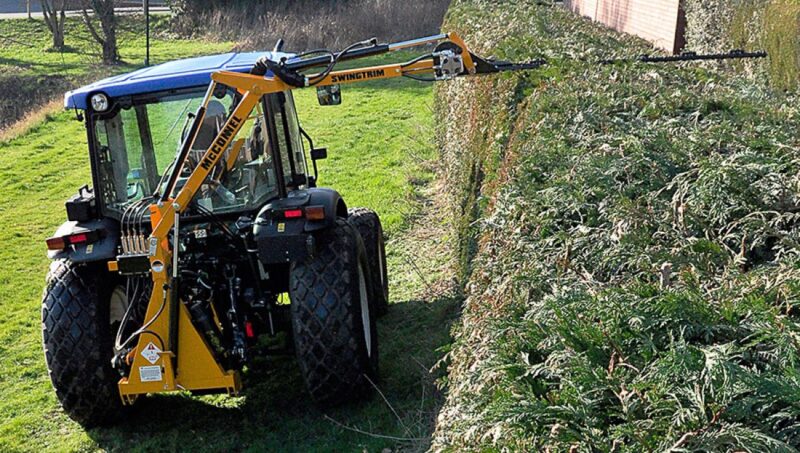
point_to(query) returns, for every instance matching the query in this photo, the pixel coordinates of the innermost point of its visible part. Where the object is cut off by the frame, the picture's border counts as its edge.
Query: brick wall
(657, 21)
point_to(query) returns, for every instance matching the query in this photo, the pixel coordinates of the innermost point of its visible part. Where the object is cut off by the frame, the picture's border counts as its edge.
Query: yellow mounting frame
(193, 366)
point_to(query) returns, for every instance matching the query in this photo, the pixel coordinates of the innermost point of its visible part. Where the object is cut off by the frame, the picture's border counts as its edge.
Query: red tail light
(293, 213)
(78, 238)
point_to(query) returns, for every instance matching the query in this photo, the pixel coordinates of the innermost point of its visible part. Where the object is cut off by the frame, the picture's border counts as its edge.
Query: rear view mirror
(329, 95)
(319, 153)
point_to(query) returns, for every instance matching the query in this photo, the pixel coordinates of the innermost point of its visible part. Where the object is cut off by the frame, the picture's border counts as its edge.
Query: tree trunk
(107, 37)
(54, 17)
(110, 54)
(58, 40)
(108, 22)
(58, 35)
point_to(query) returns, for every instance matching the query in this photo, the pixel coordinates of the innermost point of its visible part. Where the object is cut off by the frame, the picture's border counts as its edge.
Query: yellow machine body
(192, 366)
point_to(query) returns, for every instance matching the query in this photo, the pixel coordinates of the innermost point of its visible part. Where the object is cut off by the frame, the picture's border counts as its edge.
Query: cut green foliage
(636, 252)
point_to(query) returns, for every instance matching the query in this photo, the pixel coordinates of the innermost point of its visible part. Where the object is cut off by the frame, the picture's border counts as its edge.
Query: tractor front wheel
(78, 346)
(332, 320)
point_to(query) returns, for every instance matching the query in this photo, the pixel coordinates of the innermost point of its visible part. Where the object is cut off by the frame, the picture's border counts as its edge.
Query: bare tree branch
(90, 26)
(106, 36)
(47, 13)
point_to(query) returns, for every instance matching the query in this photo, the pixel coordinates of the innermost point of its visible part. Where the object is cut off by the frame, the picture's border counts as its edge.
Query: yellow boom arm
(170, 354)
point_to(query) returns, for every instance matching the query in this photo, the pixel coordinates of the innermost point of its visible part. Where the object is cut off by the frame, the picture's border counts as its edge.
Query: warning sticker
(150, 373)
(150, 352)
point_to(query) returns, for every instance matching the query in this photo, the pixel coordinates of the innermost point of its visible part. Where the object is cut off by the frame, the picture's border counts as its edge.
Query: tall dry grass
(307, 24)
(771, 25)
(14, 129)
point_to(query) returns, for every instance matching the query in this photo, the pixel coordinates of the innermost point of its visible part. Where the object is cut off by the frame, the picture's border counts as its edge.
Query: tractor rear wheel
(369, 226)
(78, 341)
(332, 321)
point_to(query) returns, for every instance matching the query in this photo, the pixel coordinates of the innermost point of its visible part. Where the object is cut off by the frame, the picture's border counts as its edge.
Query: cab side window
(287, 139)
(294, 135)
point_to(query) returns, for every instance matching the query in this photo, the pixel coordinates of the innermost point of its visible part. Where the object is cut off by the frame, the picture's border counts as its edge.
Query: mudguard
(104, 248)
(282, 240)
(334, 207)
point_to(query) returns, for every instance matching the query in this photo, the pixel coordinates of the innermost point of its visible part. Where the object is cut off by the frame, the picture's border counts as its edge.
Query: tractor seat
(212, 124)
(213, 121)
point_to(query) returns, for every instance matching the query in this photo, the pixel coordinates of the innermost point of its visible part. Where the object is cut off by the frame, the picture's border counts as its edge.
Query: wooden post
(28, 4)
(680, 30)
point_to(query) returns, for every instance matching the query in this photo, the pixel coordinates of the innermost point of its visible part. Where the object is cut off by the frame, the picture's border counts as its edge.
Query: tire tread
(76, 341)
(326, 318)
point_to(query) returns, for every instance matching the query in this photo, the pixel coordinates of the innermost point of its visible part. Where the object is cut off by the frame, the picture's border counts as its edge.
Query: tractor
(204, 231)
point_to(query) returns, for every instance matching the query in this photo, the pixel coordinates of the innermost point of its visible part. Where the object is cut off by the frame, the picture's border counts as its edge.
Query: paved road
(38, 14)
(17, 9)
(18, 6)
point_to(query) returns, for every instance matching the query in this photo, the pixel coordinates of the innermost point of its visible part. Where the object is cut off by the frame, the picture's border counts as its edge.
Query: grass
(370, 159)
(27, 46)
(380, 149)
(633, 277)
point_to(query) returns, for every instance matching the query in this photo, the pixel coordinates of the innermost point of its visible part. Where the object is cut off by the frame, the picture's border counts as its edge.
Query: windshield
(140, 140)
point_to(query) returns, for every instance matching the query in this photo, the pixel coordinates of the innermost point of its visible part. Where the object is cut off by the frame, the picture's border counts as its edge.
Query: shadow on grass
(275, 413)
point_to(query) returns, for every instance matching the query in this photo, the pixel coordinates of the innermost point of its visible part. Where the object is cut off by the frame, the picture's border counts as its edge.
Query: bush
(633, 282)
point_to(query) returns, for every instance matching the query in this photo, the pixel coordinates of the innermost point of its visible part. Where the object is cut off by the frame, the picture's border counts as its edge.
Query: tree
(107, 36)
(54, 17)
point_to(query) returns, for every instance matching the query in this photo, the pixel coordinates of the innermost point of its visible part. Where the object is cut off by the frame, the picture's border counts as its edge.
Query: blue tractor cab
(137, 122)
(136, 125)
(175, 75)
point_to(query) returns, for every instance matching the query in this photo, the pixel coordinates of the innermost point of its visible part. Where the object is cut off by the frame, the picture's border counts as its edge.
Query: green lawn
(27, 47)
(32, 74)
(379, 144)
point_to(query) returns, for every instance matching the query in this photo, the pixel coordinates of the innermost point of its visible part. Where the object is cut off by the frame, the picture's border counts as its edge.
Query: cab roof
(186, 73)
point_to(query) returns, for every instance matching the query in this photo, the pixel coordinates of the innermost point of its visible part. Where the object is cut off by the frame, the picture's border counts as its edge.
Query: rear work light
(61, 242)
